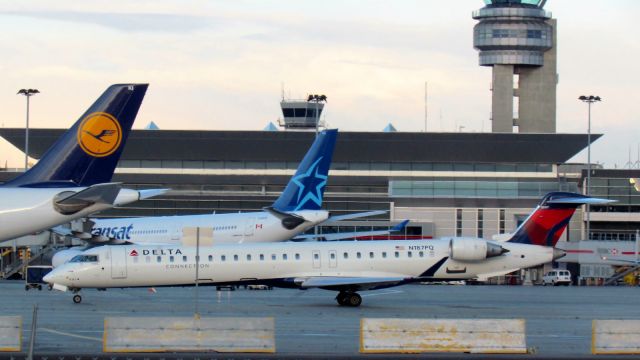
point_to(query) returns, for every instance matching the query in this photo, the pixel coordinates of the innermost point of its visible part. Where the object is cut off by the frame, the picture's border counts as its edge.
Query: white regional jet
(296, 210)
(343, 266)
(72, 179)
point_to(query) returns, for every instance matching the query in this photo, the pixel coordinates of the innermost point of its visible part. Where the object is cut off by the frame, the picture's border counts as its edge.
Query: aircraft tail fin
(550, 218)
(305, 190)
(89, 151)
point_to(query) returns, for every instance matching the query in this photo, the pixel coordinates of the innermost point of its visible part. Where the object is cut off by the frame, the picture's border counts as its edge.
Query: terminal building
(446, 184)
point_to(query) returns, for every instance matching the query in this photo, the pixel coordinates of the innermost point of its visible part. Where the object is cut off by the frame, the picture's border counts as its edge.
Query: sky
(222, 65)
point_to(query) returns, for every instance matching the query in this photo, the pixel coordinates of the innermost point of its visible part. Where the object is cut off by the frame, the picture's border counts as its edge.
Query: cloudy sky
(221, 64)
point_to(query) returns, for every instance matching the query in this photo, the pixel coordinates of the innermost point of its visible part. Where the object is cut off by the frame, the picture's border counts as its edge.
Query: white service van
(557, 277)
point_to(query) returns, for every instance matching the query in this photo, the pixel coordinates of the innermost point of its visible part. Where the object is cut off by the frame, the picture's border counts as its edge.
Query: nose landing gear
(76, 297)
(348, 298)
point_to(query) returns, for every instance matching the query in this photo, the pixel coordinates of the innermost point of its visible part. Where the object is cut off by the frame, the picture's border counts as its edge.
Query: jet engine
(474, 249)
(65, 255)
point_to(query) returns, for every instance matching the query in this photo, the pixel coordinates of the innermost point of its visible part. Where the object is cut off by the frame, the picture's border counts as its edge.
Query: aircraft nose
(52, 277)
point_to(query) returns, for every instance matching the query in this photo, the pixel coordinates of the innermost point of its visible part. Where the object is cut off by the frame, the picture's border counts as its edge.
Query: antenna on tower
(282, 90)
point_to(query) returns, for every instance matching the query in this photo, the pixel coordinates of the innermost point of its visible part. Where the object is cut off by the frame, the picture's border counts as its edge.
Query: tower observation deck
(518, 37)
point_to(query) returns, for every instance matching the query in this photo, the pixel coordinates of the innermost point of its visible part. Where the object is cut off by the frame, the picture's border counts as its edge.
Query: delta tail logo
(313, 188)
(99, 134)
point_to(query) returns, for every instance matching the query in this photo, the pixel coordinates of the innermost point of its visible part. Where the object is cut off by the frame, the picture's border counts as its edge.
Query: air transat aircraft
(343, 266)
(72, 180)
(296, 210)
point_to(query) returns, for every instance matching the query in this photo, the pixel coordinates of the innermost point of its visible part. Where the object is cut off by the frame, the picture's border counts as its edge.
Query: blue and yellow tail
(549, 220)
(306, 188)
(88, 153)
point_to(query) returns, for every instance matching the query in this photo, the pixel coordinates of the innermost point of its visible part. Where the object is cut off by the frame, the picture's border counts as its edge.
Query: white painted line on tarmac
(384, 293)
(69, 334)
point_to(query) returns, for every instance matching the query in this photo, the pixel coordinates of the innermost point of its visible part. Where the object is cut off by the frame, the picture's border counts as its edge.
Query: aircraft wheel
(354, 299)
(77, 299)
(342, 298)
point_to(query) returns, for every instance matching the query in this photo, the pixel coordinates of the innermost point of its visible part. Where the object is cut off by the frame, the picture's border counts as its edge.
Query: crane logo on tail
(99, 134)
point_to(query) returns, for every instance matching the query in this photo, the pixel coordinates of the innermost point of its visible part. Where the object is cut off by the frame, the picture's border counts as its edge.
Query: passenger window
(297, 256)
(235, 257)
(170, 258)
(147, 259)
(248, 257)
(316, 256)
(284, 256)
(223, 258)
(332, 256)
(135, 259)
(184, 259)
(358, 255)
(261, 257)
(159, 258)
(397, 254)
(409, 254)
(384, 254)
(421, 254)
(273, 257)
(345, 255)
(371, 255)
(210, 258)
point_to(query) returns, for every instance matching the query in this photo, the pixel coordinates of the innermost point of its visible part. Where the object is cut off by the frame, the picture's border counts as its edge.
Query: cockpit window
(84, 258)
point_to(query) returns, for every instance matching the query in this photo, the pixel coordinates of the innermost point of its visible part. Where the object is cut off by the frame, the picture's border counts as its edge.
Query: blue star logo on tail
(310, 185)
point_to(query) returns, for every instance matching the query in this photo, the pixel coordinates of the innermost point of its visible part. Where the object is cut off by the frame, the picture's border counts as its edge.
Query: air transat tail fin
(306, 188)
(550, 218)
(88, 152)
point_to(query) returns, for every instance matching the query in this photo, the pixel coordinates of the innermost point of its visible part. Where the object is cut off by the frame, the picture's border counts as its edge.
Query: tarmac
(310, 324)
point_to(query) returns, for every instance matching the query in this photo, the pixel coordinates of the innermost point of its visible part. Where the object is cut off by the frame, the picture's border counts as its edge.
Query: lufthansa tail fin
(306, 188)
(88, 152)
(547, 222)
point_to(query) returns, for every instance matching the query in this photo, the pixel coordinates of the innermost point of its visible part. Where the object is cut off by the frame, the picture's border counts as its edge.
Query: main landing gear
(347, 298)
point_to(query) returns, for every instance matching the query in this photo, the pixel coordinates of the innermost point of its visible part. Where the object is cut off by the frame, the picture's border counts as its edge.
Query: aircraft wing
(355, 216)
(349, 235)
(351, 283)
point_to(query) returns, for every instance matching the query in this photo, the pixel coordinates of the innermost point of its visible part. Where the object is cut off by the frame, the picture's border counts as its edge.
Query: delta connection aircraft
(343, 266)
(72, 179)
(296, 210)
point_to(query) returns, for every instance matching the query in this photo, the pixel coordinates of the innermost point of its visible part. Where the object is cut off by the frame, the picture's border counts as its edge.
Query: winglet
(88, 152)
(305, 190)
(400, 226)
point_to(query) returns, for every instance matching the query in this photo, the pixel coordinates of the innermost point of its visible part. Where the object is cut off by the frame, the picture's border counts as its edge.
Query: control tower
(518, 39)
(302, 114)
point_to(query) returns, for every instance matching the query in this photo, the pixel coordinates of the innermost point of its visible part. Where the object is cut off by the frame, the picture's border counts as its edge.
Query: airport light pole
(589, 100)
(317, 99)
(27, 93)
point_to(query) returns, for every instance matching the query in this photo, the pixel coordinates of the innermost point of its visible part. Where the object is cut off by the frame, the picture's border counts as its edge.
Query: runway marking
(384, 293)
(69, 334)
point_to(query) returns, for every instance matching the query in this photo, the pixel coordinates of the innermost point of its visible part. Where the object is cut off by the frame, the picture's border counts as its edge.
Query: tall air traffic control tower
(518, 39)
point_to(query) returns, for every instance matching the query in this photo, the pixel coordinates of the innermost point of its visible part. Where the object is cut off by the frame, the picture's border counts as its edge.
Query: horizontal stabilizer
(349, 235)
(580, 201)
(149, 193)
(68, 202)
(355, 215)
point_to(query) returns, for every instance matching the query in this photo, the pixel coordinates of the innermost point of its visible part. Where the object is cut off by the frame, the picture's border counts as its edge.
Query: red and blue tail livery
(305, 190)
(87, 154)
(550, 218)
